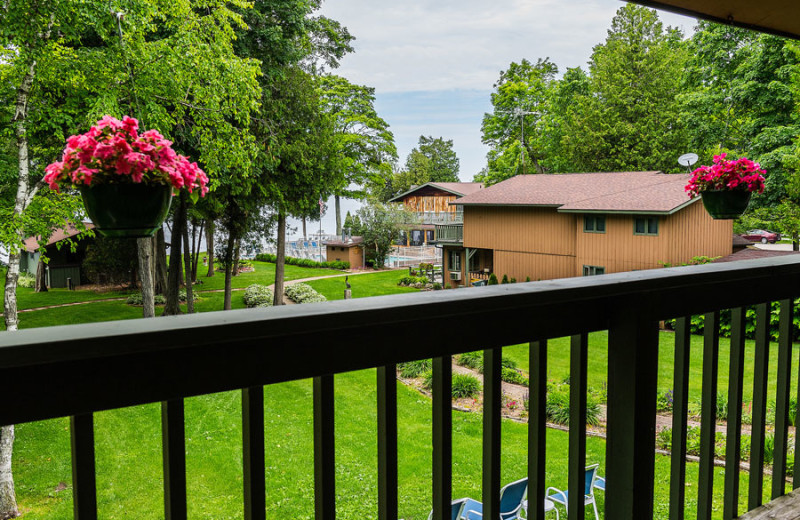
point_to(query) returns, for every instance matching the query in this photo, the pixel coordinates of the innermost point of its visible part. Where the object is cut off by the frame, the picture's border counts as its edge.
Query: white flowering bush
(26, 280)
(258, 296)
(303, 293)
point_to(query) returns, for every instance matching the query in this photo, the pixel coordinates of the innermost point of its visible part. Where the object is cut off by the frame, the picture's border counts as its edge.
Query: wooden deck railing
(77, 370)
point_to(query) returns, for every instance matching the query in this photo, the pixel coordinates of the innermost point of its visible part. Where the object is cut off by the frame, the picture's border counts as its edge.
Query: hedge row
(303, 293)
(698, 322)
(257, 296)
(303, 262)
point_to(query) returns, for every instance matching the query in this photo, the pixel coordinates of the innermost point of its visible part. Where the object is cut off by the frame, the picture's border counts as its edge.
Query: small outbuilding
(350, 249)
(64, 264)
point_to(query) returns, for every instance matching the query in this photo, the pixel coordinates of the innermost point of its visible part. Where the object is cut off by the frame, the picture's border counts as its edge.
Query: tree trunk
(228, 268)
(338, 215)
(160, 257)
(196, 250)
(305, 236)
(144, 247)
(172, 305)
(236, 254)
(41, 277)
(187, 258)
(8, 500)
(280, 260)
(210, 247)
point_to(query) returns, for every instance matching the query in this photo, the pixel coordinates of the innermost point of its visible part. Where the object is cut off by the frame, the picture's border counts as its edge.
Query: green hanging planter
(127, 210)
(725, 204)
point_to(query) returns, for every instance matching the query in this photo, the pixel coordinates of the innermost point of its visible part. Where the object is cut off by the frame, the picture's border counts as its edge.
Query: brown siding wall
(681, 236)
(531, 230)
(536, 266)
(354, 255)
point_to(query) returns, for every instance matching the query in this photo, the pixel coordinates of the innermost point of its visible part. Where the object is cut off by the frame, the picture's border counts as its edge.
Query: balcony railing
(77, 370)
(450, 233)
(441, 217)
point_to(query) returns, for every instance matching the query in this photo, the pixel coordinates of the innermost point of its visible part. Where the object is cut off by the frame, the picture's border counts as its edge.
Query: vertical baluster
(387, 443)
(173, 439)
(760, 368)
(255, 503)
(782, 399)
(579, 346)
(442, 437)
(492, 403)
(730, 509)
(708, 416)
(324, 449)
(632, 376)
(84, 484)
(680, 401)
(537, 422)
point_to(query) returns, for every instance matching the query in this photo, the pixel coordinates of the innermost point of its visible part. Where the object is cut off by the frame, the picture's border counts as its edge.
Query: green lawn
(377, 284)
(558, 363)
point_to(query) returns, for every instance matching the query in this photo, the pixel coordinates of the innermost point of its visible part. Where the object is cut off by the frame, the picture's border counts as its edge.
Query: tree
(364, 144)
(381, 225)
(512, 130)
(629, 120)
(433, 160)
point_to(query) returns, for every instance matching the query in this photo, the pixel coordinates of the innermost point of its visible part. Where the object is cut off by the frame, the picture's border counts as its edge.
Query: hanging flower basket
(726, 187)
(126, 180)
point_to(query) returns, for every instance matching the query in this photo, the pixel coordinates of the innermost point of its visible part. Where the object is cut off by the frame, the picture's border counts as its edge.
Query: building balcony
(449, 233)
(81, 369)
(440, 217)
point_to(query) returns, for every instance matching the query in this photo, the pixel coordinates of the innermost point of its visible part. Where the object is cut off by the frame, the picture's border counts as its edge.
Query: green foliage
(304, 262)
(382, 224)
(465, 385)
(664, 402)
(110, 260)
(473, 360)
(26, 280)
(257, 296)
(492, 279)
(557, 406)
(158, 299)
(412, 281)
(437, 286)
(411, 369)
(303, 293)
(505, 279)
(433, 160)
(513, 376)
(697, 323)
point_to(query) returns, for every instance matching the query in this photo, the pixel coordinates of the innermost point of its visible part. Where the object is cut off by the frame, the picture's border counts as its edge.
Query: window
(455, 261)
(429, 235)
(594, 223)
(645, 226)
(592, 270)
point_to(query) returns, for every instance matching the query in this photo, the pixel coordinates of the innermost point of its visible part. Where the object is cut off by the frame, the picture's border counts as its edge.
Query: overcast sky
(433, 62)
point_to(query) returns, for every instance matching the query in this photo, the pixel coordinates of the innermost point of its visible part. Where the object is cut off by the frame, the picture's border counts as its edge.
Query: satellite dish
(687, 159)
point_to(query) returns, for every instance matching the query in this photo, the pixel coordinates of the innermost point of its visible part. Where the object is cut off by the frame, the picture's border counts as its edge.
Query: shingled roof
(32, 243)
(616, 192)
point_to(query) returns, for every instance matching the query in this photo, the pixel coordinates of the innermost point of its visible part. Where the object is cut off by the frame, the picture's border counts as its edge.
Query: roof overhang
(625, 212)
(398, 198)
(779, 17)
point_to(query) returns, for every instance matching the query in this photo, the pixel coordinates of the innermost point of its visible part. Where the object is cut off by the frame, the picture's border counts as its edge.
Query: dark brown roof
(740, 241)
(32, 243)
(352, 241)
(645, 192)
(752, 253)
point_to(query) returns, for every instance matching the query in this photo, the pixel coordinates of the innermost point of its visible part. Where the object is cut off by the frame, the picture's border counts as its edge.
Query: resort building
(541, 227)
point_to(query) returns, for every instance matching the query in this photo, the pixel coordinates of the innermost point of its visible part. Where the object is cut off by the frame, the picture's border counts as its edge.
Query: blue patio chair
(600, 483)
(562, 497)
(457, 509)
(512, 501)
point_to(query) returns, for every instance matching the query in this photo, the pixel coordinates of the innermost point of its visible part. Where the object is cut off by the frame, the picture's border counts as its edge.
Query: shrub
(465, 385)
(182, 295)
(505, 279)
(413, 281)
(414, 368)
(303, 293)
(257, 296)
(492, 279)
(158, 299)
(513, 280)
(514, 376)
(473, 360)
(557, 407)
(437, 286)
(303, 262)
(26, 280)
(664, 439)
